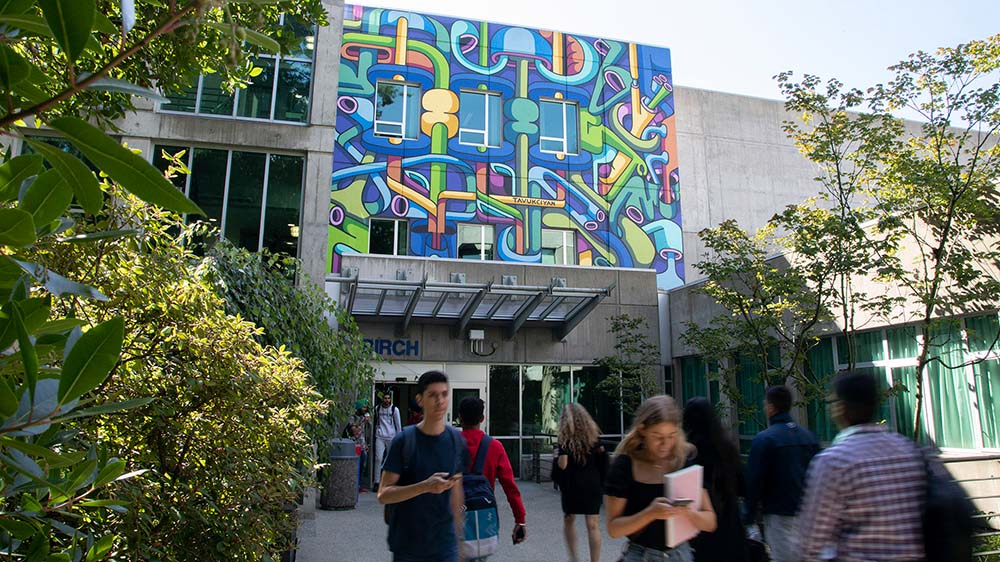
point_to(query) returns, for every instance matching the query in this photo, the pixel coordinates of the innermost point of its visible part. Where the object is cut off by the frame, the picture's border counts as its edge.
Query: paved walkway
(359, 534)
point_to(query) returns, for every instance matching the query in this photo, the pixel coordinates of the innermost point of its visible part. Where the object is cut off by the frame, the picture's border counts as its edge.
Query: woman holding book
(634, 497)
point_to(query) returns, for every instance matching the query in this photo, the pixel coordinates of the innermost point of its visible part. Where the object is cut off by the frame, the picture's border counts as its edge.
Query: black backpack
(949, 516)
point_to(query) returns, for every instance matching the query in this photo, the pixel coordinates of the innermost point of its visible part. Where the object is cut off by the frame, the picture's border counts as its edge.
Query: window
(558, 127)
(397, 110)
(387, 237)
(475, 242)
(253, 198)
(279, 91)
(558, 247)
(479, 118)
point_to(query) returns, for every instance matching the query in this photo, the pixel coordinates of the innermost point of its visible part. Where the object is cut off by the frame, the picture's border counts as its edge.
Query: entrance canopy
(465, 305)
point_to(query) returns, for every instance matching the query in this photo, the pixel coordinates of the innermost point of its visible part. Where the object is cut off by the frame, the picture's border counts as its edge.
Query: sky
(738, 46)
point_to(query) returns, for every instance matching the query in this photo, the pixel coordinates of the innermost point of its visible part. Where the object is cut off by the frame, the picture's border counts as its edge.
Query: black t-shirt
(424, 526)
(638, 495)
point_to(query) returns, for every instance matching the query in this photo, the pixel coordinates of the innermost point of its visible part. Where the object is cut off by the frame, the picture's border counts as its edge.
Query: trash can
(340, 482)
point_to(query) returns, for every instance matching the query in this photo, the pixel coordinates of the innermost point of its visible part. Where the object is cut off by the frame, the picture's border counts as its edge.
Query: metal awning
(465, 305)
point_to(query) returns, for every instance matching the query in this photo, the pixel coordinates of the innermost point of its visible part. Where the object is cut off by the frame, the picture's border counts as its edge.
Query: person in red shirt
(470, 414)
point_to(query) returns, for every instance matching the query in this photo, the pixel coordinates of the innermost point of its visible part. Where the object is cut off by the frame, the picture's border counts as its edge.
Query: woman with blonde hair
(634, 502)
(582, 465)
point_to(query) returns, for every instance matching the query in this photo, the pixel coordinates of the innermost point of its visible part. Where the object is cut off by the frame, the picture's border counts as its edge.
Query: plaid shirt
(864, 500)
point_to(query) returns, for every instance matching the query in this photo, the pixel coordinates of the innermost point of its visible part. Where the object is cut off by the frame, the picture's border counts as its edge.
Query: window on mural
(253, 198)
(397, 110)
(479, 118)
(558, 127)
(279, 89)
(387, 237)
(558, 247)
(475, 241)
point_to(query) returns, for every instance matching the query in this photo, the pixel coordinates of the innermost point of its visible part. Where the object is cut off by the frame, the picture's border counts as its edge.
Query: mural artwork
(445, 123)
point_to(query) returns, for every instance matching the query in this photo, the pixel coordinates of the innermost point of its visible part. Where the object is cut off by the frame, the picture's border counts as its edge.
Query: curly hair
(653, 411)
(577, 432)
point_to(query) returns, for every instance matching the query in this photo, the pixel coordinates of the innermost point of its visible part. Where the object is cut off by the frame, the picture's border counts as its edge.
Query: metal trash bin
(340, 481)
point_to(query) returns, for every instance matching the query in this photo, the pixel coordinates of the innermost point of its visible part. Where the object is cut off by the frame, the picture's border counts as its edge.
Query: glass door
(461, 390)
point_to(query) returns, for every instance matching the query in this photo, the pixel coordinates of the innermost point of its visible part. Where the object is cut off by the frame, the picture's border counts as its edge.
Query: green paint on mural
(638, 241)
(591, 133)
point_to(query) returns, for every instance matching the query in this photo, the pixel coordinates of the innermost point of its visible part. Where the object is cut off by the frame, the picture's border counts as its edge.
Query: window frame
(189, 161)
(485, 131)
(568, 150)
(395, 235)
(565, 245)
(277, 59)
(402, 124)
(482, 239)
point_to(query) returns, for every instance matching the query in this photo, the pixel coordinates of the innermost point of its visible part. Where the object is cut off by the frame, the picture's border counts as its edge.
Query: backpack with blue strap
(482, 523)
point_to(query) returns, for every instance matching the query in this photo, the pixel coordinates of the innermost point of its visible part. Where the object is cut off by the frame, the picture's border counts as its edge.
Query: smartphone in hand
(679, 502)
(518, 535)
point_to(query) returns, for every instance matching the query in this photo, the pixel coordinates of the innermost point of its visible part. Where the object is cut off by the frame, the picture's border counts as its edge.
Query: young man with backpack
(387, 425)
(489, 463)
(421, 481)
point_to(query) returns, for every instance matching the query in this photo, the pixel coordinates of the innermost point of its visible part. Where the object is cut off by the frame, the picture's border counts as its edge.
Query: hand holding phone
(680, 502)
(517, 536)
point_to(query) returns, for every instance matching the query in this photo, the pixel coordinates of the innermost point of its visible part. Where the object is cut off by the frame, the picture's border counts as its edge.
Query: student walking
(582, 466)
(634, 502)
(422, 481)
(776, 474)
(497, 465)
(387, 425)
(716, 451)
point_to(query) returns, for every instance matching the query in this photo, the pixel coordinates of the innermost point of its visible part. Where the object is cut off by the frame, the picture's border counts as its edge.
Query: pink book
(683, 484)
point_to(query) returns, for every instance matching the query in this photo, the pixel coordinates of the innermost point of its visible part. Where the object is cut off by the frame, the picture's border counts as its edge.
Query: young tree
(929, 189)
(633, 366)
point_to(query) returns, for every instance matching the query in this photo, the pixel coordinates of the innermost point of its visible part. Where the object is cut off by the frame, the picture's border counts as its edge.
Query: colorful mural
(615, 187)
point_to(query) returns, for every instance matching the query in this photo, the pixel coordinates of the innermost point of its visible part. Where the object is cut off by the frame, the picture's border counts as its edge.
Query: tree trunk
(918, 395)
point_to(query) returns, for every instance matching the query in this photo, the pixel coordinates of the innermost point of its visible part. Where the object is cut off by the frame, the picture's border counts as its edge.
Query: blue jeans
(781, 535)
(637, 553)
(450, 557)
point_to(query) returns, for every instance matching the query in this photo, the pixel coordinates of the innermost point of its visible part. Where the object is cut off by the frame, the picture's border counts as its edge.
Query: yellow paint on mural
(440, 106)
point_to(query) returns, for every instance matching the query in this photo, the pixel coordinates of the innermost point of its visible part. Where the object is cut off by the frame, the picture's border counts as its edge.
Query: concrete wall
(635, 294)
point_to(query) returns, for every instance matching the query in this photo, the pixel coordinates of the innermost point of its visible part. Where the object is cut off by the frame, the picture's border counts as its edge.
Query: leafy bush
(225, 438)
(258, 287)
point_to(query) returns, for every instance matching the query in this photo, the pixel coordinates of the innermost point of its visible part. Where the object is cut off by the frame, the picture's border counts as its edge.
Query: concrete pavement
(359, 534)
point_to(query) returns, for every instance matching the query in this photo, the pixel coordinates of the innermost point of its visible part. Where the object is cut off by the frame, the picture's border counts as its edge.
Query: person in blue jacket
(776, 474)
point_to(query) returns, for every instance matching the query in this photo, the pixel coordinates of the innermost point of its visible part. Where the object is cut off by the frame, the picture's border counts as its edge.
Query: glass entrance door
(462, 390)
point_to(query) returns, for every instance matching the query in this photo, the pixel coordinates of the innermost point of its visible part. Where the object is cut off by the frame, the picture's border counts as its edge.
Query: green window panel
(821, 367)
(867, 345)
(292, 101)
(751, 385)
(902, 342)
(948, 395)
(982, 332)
(284, 201)
(185, 101)
(544, 392)
(208, 183)
(987, 389)
(693, 380)
(161, 163)
(602, 407)
(214, 99)
(905, 401)
(504, 390)
(243, 202)
(255, 99)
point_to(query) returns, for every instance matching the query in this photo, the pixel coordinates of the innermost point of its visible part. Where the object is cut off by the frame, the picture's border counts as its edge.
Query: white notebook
(683, 484)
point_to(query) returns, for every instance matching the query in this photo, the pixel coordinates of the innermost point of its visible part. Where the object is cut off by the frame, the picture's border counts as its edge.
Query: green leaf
(124, 87)
(251, 36)
(29, 358)
(27, 22)
(75, 173)
(15, 6)
(8, 400)
(91, 359)
(52, 458)
(59, 285)
(103, 24)
(47, 198)
(104, 235)
(83, 474)
(103, 544)
(71, 22)
(108, 408)
(124, 166)
(13, 68)
(60, 326)
(16, 228)
(15, 171)
(110, 472)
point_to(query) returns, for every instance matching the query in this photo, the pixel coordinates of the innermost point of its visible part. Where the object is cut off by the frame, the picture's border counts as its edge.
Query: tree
(931, 188)
(772, 309)
(68, 65)
(632, 367)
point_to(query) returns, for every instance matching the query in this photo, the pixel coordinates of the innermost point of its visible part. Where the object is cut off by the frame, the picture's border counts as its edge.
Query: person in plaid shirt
(865, 493)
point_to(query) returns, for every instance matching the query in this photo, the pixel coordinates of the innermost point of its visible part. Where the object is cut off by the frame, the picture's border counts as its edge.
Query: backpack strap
(409, 445)
(480, 461)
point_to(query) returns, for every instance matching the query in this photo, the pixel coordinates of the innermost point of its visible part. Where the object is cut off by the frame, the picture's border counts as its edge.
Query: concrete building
(485, 197)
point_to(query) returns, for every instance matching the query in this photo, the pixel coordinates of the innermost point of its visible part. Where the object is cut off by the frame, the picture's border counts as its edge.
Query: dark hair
(716, 450)
(859, 394)
(470, 411)
(429, 378)
(348, 431)
(780, 397)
